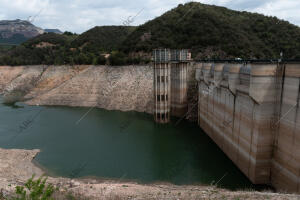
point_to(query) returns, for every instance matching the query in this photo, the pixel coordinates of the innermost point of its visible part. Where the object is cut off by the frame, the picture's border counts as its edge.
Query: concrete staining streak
(252, 98)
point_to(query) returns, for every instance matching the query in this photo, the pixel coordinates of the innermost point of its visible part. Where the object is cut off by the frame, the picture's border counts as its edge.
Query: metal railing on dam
(251, 110)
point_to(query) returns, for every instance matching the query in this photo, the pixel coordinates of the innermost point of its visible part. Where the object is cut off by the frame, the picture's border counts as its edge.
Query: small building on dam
(250, 110)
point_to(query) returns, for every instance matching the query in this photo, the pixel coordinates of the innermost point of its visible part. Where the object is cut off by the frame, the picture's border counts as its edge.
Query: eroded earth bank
(128, 88)
(16, 167)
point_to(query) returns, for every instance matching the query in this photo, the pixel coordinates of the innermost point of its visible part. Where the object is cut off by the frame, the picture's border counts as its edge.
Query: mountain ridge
(53, 30)
(211, 32)
(218, 32)
(17, 31)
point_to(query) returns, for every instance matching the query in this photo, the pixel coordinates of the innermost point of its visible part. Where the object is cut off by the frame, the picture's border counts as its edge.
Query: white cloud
(81, 15)
(283, 9)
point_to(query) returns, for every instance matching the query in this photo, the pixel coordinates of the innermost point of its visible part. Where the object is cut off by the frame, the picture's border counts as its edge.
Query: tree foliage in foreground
(35, 190)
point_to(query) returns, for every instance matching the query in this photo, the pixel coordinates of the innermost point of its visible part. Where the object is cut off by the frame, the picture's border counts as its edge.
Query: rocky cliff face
(16, 31)
(123, 88)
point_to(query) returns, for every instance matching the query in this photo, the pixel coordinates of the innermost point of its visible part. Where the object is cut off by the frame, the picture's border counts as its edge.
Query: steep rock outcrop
(17, 31)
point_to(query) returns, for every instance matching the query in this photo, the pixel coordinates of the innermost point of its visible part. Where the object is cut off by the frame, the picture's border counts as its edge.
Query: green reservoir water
(117, 145)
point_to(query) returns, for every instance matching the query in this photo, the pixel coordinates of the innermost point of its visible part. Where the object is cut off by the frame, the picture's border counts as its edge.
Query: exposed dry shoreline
(128, 88)
(16, 167)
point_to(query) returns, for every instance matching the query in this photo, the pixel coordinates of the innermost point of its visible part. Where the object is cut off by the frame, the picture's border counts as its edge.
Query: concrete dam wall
(251, 112)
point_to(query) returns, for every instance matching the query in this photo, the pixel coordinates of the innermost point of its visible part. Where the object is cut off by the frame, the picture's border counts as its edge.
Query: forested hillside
(211, 32)
(68, 48)
(218, 32)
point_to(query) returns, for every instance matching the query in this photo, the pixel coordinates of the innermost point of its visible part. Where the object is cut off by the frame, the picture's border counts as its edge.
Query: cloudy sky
(81, 15)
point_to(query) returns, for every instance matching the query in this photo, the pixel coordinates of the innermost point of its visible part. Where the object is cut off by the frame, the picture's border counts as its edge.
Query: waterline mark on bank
(106, 92)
